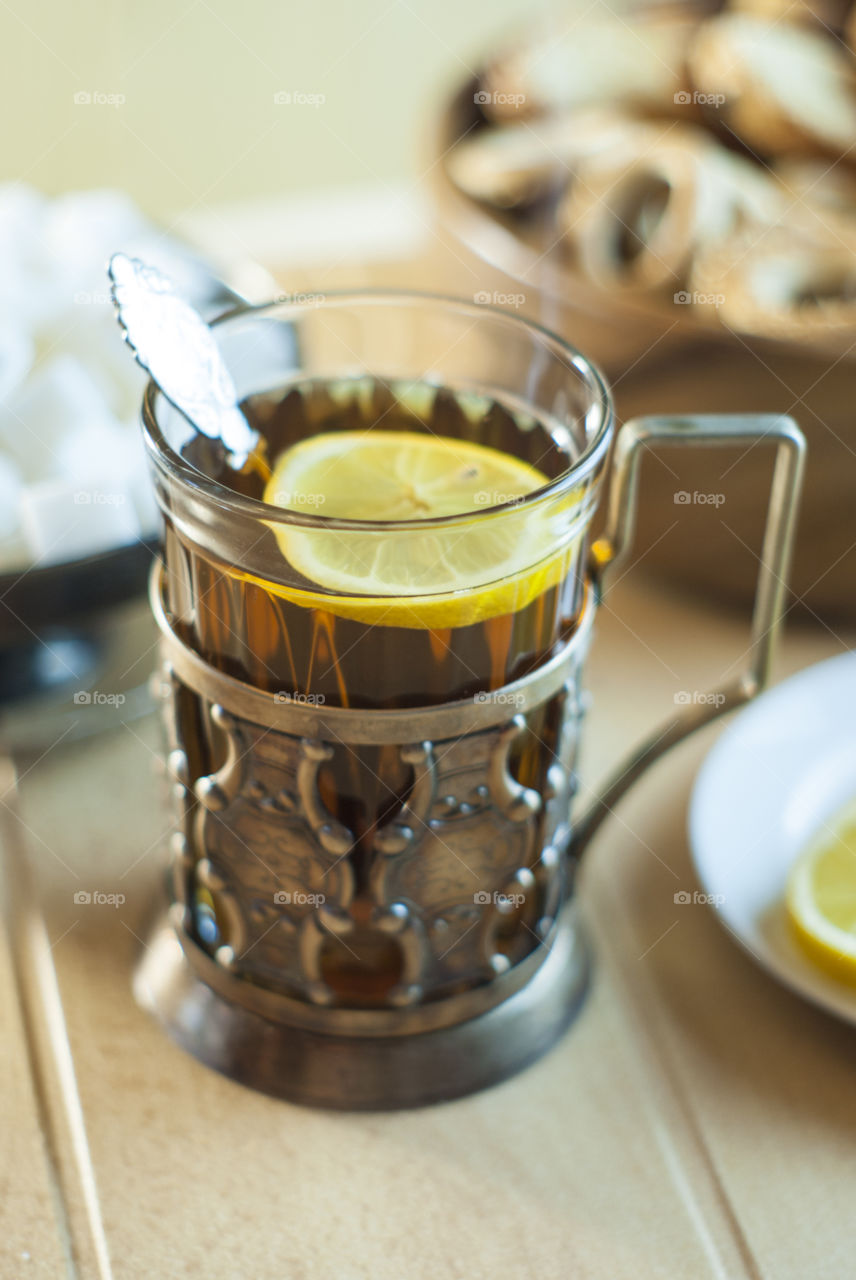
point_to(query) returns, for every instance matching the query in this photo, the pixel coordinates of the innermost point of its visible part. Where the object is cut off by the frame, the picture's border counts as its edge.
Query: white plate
(784, 767)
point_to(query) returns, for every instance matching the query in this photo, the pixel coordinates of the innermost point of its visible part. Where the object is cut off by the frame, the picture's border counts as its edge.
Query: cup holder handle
(609, 550)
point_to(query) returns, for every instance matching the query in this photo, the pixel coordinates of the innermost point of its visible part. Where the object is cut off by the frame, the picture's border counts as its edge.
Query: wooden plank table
(697, 1121)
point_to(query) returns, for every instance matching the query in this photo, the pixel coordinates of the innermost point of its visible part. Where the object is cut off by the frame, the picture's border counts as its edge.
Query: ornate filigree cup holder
(335, 950)
(468, 884)
(466, 900)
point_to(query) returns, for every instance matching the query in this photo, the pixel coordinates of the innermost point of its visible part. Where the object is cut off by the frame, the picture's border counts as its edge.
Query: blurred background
(291, 136)
(641, 177)
(194, 124)
(670, 185)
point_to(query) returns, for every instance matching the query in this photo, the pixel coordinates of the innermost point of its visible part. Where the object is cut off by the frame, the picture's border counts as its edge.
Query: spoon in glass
(172, 342)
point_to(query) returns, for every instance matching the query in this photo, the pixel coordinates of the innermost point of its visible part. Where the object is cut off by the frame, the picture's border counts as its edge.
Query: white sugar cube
(59, 399)
(16, 358)
(92, 335)
(143, 491)
(73, 478)
(22, 209)
(145, 502)
(61, 522)
(30, 296)
(84, 228)
(96, 452)
(22, 217)
(28, 287)
(10, 494)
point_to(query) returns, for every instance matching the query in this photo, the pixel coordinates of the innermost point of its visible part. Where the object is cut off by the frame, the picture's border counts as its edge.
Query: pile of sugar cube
(73, 478)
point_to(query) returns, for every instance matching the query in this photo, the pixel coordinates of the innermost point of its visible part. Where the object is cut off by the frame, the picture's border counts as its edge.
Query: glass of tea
(373, 635)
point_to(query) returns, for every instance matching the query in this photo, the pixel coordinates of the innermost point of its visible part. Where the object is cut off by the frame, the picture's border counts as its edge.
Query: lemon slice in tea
(821, 902)
(453, 575)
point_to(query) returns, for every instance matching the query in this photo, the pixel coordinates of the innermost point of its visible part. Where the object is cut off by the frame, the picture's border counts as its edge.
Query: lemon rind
(831, 948)
(451, 608)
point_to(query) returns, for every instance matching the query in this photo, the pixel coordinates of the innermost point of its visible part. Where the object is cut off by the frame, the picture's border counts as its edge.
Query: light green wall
(199, 124)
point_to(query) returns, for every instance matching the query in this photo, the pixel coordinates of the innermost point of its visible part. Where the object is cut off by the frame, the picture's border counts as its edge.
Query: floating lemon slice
(821, 902)
(447, 576)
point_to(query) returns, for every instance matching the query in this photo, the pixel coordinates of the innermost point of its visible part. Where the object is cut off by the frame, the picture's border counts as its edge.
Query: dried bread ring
(595, 61)
(821, 198)
(513, 166)
(516, 165)
(635, 221)
(786, 88)
(829, 186)
(784, 286)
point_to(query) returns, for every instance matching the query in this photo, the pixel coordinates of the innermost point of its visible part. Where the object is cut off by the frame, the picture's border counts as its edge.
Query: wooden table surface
(696, 1121)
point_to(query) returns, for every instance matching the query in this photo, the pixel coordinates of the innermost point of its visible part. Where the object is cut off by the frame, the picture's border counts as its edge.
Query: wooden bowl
(663, 356)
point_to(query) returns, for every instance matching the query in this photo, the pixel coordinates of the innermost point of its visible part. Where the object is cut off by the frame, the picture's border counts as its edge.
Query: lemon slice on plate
(821, 902)
(428, 576)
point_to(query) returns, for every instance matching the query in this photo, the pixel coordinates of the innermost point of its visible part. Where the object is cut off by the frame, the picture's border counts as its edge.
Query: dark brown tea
(274, 641)
(298, 638)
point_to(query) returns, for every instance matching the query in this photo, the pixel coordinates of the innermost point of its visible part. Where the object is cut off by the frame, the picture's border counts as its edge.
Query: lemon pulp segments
(821, 900)
(475, 567)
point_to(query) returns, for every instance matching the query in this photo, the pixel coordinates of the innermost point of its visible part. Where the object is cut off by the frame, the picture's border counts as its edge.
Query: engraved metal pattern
(268, 849)
(461, 886)
(167, 689)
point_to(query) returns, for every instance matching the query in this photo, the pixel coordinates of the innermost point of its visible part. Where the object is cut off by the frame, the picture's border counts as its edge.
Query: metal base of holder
(364, 1073)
